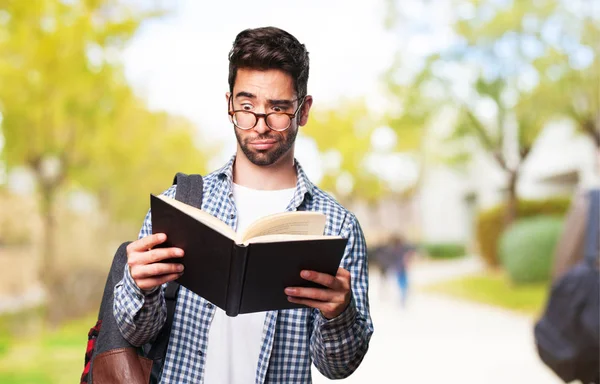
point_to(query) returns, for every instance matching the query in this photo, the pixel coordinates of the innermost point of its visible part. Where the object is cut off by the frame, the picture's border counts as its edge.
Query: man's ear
(304, 111)
(227, 95)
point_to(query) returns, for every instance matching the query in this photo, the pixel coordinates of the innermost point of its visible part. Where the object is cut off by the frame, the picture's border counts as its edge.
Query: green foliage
(346, 130)
(496, 289)
(64, 97)
(490, 222)
(65, 102)
(444, 250)
(527, 248)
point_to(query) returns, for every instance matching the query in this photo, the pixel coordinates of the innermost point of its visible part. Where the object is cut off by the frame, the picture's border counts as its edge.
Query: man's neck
(280, 175)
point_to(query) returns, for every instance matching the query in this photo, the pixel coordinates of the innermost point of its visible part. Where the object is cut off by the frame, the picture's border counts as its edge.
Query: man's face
(265, 92)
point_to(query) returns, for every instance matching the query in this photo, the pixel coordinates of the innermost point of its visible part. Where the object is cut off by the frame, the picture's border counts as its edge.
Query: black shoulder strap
(190, 191)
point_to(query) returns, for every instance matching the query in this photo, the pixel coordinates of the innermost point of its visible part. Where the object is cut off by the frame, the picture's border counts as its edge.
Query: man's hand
(145, 263)
(332, 300)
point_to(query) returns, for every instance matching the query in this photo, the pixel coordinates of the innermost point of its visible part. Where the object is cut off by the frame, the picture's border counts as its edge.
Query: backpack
(109, 358)
(567, 335)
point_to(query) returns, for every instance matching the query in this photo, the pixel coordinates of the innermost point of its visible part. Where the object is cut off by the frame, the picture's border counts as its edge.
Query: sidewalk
(442, 340)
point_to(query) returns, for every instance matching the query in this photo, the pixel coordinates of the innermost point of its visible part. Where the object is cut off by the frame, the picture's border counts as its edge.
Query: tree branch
(485, 138)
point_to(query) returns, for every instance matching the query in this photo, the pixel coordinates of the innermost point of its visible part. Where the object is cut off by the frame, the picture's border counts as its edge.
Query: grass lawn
(44, 357)
(494, 288)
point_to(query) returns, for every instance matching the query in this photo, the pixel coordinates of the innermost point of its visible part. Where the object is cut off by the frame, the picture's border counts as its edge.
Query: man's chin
(261, 158)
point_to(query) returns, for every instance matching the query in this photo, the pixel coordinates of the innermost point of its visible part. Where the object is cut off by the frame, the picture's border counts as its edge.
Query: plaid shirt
(292, 339)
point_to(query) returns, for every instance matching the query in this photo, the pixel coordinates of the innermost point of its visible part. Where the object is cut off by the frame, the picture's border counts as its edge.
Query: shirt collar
(303, 186)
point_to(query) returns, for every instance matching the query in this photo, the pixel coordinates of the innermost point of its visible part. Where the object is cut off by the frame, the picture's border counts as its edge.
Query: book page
(203, 217)
(280, 238)
(286, 223)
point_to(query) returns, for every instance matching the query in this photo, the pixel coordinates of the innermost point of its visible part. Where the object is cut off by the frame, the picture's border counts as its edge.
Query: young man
(267, 103)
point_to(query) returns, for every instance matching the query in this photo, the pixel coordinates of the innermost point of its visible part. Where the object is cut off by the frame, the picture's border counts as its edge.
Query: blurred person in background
(267, 103)
(399, 256)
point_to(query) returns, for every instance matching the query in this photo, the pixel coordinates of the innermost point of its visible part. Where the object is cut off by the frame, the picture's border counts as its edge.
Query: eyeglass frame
(264, 116)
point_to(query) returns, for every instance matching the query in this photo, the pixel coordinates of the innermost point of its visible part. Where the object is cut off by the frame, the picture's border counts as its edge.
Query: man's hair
(270, 48)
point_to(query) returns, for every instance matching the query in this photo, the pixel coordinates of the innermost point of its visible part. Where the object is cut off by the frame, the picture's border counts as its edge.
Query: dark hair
(270, 48)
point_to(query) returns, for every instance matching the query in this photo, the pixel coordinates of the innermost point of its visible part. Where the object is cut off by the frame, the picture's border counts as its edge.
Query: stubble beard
(271, 156)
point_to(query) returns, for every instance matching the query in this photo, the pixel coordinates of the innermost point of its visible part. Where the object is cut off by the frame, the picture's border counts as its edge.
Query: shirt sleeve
(140, 314)
(339, 345)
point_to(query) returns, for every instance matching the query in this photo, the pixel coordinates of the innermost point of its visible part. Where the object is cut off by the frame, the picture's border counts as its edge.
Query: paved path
(441, 340)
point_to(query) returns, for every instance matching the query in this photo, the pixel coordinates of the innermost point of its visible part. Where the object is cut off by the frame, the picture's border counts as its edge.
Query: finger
(343, 277)
(318, 294)
(320, 278)
(341, 272)
(152, 282)
(153, 256)
(154, 270)
(160, 254)
(146, 243)
(324, 307)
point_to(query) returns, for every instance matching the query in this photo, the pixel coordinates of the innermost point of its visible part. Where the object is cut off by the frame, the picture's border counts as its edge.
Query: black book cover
(238, 278)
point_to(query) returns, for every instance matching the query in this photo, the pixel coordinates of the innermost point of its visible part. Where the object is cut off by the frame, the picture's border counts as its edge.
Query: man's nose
(261, 125)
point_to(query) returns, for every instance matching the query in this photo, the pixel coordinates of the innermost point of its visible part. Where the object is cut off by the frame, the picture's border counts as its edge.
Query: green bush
(527, 248)
(444, 250)
(490, 223)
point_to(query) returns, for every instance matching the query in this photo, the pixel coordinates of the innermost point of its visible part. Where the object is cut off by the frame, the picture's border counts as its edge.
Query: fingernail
(305, 274)
(290, 291)
(179, 252)
(180, 268)
(162, 236)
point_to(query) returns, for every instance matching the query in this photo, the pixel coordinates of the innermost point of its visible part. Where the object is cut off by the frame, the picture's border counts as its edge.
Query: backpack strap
(158, 350)
(190, 191)
(592, 235)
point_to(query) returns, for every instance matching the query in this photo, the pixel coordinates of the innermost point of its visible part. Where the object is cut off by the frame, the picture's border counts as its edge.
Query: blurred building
(561, 161)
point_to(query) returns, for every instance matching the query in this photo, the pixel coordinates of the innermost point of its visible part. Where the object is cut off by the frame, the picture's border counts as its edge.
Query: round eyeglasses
(277, 121)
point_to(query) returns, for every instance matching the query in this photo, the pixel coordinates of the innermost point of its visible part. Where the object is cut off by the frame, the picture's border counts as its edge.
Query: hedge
(526, 248)
(490, 222)
(444, 250)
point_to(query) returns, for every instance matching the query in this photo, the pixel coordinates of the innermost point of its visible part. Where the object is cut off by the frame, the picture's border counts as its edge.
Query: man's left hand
(331, 300)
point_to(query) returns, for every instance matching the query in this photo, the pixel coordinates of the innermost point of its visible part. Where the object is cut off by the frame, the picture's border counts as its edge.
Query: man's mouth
(262, 145)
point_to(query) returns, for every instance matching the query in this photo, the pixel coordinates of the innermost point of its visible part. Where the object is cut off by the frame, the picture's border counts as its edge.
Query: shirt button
(199, 352)
(208, 305)
(232, 216)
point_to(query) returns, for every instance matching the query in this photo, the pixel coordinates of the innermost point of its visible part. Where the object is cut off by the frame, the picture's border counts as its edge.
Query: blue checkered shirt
(292, 339)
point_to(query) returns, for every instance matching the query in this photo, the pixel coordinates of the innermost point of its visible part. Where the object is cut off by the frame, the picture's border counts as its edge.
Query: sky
(179, 63)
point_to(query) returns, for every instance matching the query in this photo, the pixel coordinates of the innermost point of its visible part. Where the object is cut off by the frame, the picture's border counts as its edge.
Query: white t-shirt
(234, 342)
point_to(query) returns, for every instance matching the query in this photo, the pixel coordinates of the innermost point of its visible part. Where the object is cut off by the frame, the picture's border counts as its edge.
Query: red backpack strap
(92, 336)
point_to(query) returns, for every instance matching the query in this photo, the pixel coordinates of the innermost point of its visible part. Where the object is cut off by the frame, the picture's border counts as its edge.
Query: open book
(248, 271)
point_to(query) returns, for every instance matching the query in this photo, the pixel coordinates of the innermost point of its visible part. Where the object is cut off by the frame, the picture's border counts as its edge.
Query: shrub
(527, 248)
(444, 250)
(490, 223)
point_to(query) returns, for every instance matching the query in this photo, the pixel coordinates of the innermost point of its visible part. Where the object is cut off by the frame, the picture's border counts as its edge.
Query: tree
(70, 117)
(344, 134)
(139, 153)
(509, 69)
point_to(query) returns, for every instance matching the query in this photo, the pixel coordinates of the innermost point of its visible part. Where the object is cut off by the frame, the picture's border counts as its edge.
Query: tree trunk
(590, 127)
(48, 251)
(512, 200)
(48, 271)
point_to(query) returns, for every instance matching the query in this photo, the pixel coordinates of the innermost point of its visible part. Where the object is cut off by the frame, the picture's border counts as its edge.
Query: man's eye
(278, 109)
(246, 107)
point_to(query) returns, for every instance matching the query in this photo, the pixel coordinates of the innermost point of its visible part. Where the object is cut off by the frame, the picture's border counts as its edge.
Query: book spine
(237, 272)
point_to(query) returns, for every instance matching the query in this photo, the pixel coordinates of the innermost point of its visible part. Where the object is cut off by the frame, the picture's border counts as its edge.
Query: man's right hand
(146, 266)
